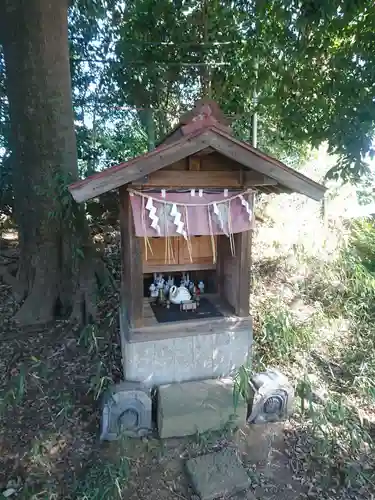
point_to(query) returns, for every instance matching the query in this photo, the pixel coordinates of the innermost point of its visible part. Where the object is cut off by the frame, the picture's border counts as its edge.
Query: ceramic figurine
(185, 280)
(178, 295)
(161, 297)
(153, 291)
(191, 287)
(189, 305)
(167, 285)
(160, 281)
(201, 287)
(170, 281)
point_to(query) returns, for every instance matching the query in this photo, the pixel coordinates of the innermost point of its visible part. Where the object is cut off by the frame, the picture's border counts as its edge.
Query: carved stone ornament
(272, 397)
(126, 412)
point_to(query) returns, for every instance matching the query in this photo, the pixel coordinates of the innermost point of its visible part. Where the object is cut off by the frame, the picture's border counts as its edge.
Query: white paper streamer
(152, 215)
(246, 204)
(177, 221)
(219, 215)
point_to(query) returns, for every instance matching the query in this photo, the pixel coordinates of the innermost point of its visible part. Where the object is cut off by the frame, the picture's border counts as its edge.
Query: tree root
(90, 285)
(18, 289)
(40, 305)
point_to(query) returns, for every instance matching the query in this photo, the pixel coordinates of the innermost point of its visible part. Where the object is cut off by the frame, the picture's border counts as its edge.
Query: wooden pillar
(131, 260)
(234, 272)
(223, 253)
(243, 269)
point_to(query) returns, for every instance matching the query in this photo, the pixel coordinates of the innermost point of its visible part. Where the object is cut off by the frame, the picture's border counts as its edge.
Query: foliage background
(137, 65)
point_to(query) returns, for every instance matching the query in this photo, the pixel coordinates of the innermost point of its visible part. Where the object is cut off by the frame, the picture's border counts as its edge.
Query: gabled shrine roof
(203, 128)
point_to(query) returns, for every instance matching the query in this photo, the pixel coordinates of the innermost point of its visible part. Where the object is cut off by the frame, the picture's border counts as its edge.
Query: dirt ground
(50, 386)
(162, 474)
(50, 421)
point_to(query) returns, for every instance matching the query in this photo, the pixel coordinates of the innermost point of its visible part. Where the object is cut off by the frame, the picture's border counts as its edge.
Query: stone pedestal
(178, 357)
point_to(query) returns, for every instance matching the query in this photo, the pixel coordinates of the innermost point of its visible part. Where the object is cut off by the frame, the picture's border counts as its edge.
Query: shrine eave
(198, 135)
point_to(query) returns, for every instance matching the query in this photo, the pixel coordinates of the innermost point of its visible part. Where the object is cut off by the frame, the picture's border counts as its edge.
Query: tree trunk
(53, 275)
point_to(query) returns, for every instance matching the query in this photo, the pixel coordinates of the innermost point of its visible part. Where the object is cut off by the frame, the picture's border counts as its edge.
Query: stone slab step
(197, 407)
(218, 474)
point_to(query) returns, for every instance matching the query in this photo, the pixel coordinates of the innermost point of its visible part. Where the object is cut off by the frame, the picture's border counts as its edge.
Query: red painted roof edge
(206, 122)
(204, 106)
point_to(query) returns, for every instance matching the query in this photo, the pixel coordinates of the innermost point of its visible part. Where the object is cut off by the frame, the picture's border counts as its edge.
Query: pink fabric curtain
(196, 213)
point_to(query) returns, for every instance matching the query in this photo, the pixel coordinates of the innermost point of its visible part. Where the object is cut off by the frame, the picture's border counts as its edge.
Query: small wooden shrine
(186, 214)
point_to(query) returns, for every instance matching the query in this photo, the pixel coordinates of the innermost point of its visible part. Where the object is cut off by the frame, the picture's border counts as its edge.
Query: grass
(99, 382)
(90, 338)
(15, 390)
(279, 336)
(104, 479)
(331, 445)
(347, 289)
(333, 438)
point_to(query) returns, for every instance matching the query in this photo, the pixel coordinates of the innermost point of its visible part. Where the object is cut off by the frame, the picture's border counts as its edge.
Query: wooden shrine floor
(151, 321)
(153, 330)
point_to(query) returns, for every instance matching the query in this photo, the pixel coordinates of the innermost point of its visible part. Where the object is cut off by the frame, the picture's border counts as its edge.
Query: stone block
(137, 360)
(202, 365)
(196, 407)
(183, 359)
(217, 474)
(221, 354)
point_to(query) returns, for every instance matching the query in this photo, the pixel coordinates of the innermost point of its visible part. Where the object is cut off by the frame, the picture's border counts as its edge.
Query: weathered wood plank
(205, 179)
(131, 263)
(194, 163)
(234, 272)
(171, 268)
(178, 165)
(156, 254)
(217, 161)
(238, 151)
(242, 268)
(154, 330)
(193, 179)
(223, 252)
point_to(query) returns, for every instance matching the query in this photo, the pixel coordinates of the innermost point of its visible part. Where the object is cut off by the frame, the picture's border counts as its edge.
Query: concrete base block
(196, 407)
(180, 358)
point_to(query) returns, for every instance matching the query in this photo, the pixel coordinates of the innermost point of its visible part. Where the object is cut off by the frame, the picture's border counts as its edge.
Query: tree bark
(53, 275)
